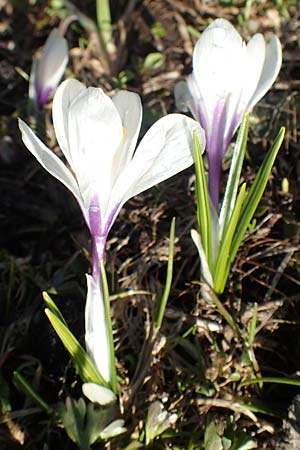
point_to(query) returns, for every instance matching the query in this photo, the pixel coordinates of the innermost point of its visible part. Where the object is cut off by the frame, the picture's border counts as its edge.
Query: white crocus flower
(229, 77)
(98, 135)
(47, 71)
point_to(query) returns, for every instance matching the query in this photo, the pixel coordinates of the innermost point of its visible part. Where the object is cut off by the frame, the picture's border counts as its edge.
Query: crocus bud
(47, 71)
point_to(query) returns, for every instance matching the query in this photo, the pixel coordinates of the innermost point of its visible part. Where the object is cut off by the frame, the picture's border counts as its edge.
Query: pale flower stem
(98, 249)
(108, 323)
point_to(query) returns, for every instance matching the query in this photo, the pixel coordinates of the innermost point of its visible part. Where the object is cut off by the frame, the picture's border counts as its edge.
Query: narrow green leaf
(256, 191)
(252, 327)
(220, 275)
(80, 358)
(104, 20)
(223, 311)
(234, 175)
(53, 308)
(166, 293)
(291, 382)
(258, 406)
(113, 371)
(202, 199)
(30, 392)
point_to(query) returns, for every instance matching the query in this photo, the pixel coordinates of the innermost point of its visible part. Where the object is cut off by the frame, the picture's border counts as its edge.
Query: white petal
(255, 58)
(130, 109)
(218, 61)
(250, 71)
(65, 94)
(113, 429)
(49, 160)
(96, 334)
(98, 394)
(205, 272)
(272, 64)
(95, 134)
(54, 60)
(165, 150)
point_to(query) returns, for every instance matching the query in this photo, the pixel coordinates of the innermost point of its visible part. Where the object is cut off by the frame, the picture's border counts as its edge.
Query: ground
(197, 363)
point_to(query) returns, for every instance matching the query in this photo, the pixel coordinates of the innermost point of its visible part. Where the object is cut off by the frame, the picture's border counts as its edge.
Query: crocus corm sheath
(229, 77)
(47, 71)
(98, 135)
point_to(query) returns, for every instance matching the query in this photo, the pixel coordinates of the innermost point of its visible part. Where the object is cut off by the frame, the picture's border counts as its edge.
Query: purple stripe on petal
(215, 151)
(99, 232)
(42, 95)
(94, 219)
(217, 145)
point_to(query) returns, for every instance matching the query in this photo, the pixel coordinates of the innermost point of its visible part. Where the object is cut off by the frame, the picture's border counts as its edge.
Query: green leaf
(153, 61)
(291, 382)
(104, 21)
(30, 392)
(252, 327)
(233, 181)
(212, 439)
(158, 30)
(80, 358)
(253, 197)
(53, 308)
(166, 293)
(72, 414)
(202, 200)
(221, 269)
(259, 406)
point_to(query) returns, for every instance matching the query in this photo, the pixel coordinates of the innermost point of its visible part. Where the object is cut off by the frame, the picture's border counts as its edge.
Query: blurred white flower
(228, 79)
(47, 71)
(158, 421)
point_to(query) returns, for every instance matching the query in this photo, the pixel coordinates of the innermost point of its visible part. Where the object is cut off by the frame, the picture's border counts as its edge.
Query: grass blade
(252, 327)
(104, 20)
(29, 391)
(291, 382)
(166, 293)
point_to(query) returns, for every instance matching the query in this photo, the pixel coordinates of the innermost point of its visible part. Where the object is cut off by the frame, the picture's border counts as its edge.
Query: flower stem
(113, 373)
